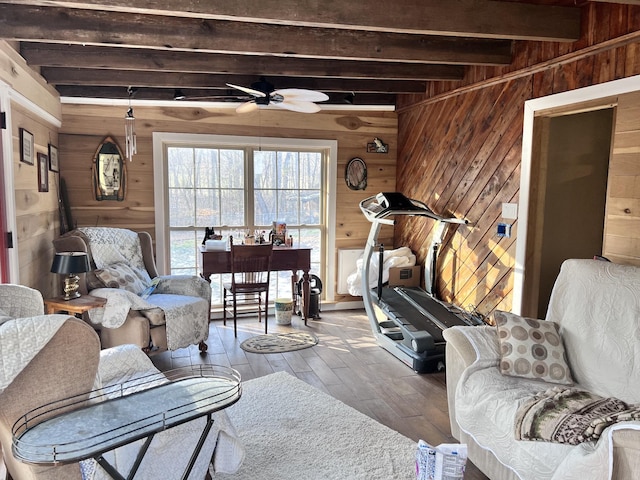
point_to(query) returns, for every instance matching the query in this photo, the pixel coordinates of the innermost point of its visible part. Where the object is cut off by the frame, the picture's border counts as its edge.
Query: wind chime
(130, 129)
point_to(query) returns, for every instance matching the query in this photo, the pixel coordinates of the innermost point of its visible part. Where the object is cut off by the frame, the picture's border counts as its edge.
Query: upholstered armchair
(176, 313)
(50, 358)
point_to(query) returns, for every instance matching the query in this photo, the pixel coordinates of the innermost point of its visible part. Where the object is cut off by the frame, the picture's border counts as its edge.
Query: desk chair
(250, 273)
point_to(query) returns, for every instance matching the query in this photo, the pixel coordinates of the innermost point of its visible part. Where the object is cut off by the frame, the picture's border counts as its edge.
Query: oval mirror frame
(355, 174)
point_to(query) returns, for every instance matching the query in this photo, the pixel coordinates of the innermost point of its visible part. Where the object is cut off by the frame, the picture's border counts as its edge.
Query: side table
(75, 306)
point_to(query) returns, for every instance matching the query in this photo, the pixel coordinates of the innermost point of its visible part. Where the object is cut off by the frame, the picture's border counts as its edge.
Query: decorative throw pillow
(531, 348)
(93, 281)
(121, 275)
(142, 275)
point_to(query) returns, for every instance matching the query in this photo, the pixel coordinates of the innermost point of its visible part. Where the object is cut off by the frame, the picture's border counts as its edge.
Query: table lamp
(70, 263)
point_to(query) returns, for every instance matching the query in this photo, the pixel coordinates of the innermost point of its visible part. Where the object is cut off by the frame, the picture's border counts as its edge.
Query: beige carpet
(293, 431)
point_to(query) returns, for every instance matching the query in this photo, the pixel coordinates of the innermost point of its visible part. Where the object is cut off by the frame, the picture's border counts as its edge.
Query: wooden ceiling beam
(28, 23)
(466, 18)
(480, 52)
(124, 78)
(78, 56)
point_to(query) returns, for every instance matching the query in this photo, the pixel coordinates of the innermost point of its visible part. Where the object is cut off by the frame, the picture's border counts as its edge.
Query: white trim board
(531, 109)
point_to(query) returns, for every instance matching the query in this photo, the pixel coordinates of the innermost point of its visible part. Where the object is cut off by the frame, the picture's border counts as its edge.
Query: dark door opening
(570, 196)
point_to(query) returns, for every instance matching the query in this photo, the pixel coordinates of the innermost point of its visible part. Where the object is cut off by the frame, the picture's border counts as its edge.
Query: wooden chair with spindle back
(250, 275)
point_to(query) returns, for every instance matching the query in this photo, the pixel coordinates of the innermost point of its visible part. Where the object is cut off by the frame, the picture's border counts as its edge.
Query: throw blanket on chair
(113, 245)
(177, 296)
(182, 319)
(21, 339)
(570, 415)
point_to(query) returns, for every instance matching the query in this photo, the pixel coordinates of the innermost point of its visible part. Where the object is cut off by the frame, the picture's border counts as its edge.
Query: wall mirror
(109, 171)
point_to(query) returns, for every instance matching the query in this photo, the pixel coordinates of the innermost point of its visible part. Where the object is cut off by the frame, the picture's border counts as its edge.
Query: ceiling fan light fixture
(294, 99)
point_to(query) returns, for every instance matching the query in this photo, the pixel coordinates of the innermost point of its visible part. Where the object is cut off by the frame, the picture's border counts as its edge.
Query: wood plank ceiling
(356, 52)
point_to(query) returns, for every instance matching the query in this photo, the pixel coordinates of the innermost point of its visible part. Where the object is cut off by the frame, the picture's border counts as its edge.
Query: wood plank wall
(37, 221)
(622, 214)
(463, 141)
(84, 127)
(37, 217)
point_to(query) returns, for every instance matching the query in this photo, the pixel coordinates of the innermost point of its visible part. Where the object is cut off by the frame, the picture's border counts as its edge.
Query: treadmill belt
(417, 308)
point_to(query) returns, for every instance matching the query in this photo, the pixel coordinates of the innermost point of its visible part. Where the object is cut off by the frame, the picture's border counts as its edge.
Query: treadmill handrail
(375, 211)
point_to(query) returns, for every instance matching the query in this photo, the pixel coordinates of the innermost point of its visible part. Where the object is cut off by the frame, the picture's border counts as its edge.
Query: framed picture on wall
(54, 166)
(43, 172)
(26, 146)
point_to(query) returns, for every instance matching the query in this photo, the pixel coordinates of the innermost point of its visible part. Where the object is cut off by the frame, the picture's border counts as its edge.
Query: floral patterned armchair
(176, 313)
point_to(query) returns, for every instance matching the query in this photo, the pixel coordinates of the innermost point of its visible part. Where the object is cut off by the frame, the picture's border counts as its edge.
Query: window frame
(162, 140)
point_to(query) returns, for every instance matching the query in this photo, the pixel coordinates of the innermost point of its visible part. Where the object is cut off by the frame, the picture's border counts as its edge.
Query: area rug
(279, 343)
(293, 431)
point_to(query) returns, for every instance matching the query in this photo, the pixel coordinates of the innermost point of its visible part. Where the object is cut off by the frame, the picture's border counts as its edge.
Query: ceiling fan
(263, 93)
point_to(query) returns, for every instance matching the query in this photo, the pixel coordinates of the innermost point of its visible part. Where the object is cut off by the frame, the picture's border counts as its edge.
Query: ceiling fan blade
(247, 107)
(301, 94)
(229, 98)
(250, 91)
(298, 106)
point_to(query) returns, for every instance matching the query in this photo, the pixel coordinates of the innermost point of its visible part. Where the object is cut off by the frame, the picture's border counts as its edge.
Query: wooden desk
(75, 306)
(284, 258)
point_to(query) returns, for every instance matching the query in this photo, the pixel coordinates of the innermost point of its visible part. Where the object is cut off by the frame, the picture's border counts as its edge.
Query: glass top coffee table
(76, 429)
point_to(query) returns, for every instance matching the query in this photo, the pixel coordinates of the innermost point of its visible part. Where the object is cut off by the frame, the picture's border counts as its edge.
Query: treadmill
(415, 318)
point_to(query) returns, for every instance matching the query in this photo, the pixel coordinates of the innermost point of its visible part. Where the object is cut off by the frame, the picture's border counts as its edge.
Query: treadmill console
(386, 204)
(396, 201)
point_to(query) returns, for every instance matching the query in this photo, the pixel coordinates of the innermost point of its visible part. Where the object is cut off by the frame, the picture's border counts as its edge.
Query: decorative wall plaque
(109, 172)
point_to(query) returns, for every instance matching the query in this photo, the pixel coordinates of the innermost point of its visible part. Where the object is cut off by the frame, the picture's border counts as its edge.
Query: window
(240, 187)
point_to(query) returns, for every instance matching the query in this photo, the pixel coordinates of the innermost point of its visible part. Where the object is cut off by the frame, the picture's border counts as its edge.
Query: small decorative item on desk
(210, 234)
(249, 240)
(70, 263)
(213, 241)
(278, 234)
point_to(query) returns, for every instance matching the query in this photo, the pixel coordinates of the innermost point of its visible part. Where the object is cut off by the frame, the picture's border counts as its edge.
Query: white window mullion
(297, 194)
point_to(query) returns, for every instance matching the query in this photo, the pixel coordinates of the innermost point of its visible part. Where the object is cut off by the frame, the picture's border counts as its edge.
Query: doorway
(570, 159)
(594, 97)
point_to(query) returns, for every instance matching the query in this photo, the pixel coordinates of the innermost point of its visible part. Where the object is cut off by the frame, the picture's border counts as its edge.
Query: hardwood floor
(346, 364)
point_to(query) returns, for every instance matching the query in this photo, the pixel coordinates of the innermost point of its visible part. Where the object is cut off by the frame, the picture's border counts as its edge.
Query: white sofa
(596, 305)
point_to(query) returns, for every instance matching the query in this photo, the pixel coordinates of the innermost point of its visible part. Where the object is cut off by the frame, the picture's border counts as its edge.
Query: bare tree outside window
(212, 187)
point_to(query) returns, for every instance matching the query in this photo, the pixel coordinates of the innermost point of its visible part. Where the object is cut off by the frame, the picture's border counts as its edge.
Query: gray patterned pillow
(121, 275)
(93, 281)
(531, 348)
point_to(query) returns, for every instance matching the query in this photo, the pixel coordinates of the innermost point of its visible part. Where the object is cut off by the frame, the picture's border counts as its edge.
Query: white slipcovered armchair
(174, 316)
(50, 358)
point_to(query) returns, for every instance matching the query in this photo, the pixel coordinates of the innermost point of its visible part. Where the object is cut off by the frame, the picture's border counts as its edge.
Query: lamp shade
(70, 262)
